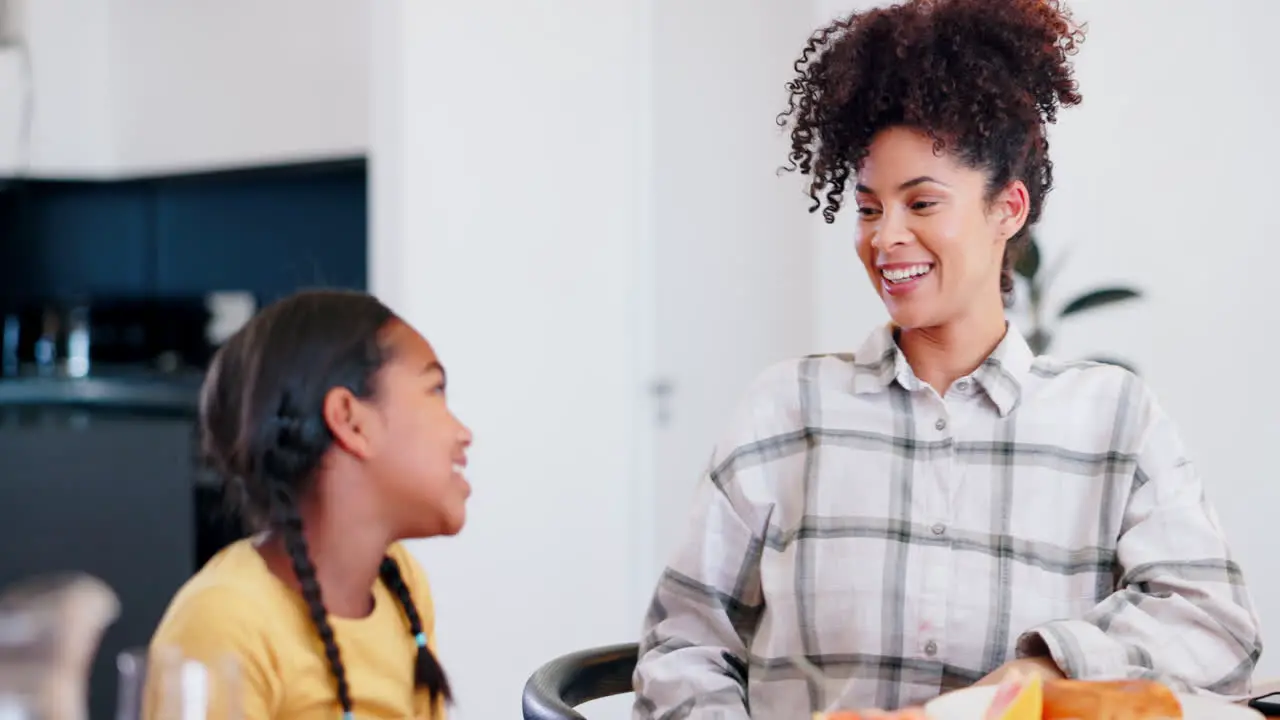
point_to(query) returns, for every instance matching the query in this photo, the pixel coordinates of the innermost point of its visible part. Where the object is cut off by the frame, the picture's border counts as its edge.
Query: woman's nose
(891, 233)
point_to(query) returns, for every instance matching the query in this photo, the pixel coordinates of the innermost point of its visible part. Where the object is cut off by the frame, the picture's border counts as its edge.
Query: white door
(725, 283)
(732, 239)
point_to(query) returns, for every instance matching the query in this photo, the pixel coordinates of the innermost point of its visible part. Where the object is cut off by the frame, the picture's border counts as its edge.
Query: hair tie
(348, 716)
(421, 639)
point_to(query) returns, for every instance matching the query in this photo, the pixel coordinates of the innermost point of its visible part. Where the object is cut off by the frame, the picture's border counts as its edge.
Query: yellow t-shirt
(235, 613)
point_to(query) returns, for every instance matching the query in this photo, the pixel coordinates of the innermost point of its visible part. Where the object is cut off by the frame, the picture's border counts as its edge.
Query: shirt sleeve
(1181, 612)
(218, 628)
(693, 653)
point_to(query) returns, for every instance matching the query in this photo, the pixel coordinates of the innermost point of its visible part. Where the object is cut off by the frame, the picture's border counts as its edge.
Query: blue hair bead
(348, 716)
(421, 639)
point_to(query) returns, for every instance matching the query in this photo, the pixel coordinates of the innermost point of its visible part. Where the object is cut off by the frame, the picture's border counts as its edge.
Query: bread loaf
(1109, 700)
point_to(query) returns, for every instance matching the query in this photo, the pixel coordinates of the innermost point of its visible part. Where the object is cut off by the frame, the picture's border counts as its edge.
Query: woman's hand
(1042, 666)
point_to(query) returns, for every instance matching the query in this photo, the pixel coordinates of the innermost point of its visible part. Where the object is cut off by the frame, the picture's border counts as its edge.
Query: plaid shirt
(908, 543)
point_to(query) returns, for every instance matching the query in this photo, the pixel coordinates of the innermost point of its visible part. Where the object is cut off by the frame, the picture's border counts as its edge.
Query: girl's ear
(351, 421)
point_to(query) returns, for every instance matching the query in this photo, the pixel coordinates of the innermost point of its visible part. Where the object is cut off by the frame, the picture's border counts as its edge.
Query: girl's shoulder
(233, 590)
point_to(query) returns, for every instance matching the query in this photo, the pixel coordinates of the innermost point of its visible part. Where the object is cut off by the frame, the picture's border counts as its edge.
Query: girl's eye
(923, 204)
(868, 211)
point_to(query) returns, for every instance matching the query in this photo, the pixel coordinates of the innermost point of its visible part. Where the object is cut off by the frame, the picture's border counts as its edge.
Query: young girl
(326, 414)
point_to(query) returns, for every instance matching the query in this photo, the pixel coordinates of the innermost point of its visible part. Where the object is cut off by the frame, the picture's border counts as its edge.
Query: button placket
(935, 608)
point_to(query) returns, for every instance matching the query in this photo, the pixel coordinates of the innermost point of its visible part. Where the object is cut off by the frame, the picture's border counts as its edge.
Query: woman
(327, 415)
(940, 506)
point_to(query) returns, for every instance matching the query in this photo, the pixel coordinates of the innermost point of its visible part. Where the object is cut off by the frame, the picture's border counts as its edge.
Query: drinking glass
(164, 685)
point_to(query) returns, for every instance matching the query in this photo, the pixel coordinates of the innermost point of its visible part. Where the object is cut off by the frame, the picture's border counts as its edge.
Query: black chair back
(556, 688)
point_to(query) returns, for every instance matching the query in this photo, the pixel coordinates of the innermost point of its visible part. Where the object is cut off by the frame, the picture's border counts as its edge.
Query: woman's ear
(1011, 208)
(350, 421)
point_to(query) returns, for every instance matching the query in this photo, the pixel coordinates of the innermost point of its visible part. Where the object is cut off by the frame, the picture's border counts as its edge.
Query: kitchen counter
(164, 393)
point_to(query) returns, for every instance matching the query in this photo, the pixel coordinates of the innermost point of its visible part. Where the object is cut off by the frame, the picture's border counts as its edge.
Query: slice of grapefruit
(1019, 697)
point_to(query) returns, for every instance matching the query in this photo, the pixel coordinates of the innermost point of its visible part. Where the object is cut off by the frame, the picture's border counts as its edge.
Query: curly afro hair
(980, 77)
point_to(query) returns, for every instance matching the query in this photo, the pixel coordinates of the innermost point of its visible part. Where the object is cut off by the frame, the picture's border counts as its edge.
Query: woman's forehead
(900, 158)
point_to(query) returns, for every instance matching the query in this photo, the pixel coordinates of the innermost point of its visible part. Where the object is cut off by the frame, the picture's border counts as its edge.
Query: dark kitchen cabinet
(108, 493)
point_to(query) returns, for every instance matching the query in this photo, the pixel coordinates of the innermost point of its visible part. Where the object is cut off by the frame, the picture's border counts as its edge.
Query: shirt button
(963, 386)
(941, 424)
(931, 648)
(938, 528)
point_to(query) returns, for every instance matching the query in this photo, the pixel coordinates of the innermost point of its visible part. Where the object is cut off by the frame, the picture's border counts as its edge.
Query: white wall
(508, 198)
(64, 90)
(585, 205)
(732, 253)
(1165, 180)
(231, 83)
(121, 88)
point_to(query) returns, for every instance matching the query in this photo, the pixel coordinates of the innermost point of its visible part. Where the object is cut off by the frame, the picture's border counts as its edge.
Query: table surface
(1266, 688)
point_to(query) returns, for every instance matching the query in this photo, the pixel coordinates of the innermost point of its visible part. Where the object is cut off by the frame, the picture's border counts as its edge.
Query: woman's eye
(923, 204)
(868, 211)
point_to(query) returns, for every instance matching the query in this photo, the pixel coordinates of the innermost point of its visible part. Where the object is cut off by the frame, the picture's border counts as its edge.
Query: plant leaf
(1028, 262)
(1109, 360)
(1051, 271)
(1039, 341)
(1098, 298)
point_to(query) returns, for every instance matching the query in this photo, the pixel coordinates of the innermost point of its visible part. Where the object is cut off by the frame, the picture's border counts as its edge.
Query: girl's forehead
(407, 344)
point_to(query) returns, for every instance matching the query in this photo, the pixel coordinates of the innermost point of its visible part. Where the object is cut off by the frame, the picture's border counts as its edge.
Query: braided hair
(263, 429)
(427, 670)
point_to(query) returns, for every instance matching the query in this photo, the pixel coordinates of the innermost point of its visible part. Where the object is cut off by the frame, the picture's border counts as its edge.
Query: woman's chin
(920, 309)
(908, 318)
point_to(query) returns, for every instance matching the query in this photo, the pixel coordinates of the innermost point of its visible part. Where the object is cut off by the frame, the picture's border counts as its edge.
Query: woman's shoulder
(1092, 385)
(1086, 375)
(779, 381)
(772, 407)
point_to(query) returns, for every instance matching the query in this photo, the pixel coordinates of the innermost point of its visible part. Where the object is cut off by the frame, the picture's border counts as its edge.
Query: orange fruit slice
(1018, 697)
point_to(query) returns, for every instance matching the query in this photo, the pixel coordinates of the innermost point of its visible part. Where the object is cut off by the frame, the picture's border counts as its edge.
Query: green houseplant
(1037, 278)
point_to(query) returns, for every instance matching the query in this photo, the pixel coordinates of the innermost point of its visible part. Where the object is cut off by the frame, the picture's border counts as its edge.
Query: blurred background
(577, 202)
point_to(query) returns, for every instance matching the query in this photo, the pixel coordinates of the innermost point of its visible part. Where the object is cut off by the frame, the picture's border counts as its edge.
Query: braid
(295, 542)
(262, 419)
(427, 672)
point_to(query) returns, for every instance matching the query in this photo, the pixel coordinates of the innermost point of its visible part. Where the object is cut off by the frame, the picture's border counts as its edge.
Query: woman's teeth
(902, 274)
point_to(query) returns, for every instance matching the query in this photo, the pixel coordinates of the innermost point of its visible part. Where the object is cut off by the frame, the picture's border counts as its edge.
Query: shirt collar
(879, 362)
